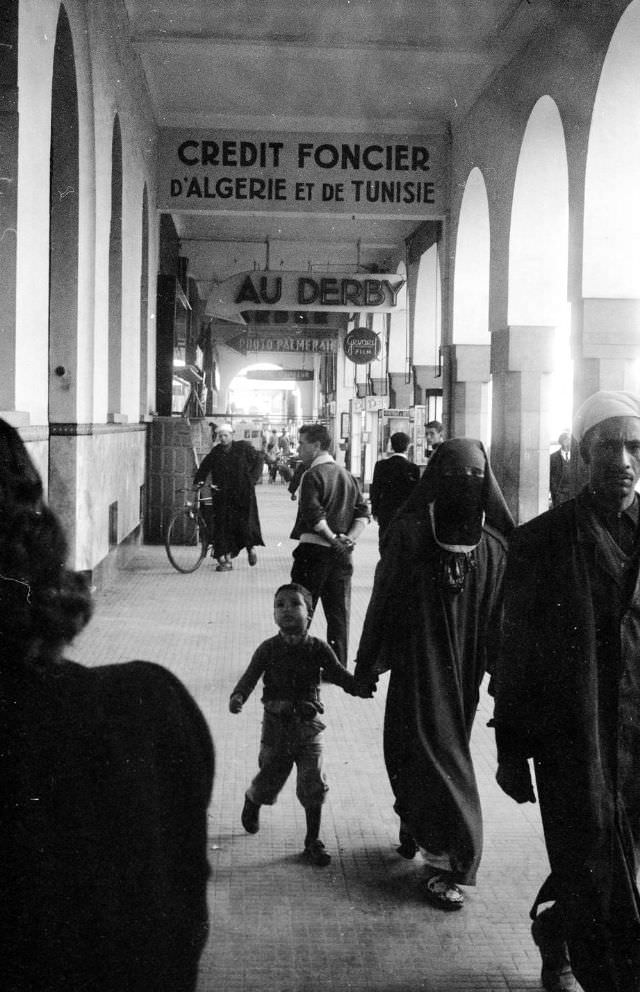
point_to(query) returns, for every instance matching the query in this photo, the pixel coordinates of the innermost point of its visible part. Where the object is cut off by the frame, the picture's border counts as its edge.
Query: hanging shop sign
(308, 344)
(260, 172)
(362, 346)
(271, 375)
(346, 292)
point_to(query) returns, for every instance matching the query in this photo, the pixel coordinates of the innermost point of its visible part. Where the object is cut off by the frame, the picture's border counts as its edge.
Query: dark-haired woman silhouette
(106, 778)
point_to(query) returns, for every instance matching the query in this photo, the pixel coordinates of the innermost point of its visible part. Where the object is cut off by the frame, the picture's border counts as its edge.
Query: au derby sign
(300, 291)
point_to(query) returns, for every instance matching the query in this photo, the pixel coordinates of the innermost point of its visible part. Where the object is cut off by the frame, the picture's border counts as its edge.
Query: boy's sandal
(315, 853)
(250, 816)
(442, 892)
(408, 847)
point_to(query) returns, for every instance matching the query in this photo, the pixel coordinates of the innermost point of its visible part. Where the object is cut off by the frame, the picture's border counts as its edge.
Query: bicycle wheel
(186, 540)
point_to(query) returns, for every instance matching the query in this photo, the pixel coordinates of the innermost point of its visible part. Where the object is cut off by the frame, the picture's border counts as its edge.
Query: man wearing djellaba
(568, 696)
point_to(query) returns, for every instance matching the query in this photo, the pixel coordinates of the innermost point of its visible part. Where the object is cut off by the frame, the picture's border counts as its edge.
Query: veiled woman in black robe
(432, 620)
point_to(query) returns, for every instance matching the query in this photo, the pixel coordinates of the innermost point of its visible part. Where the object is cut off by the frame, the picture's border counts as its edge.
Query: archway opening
(114, 371)
(470, 380)
(538, 250)
(273, 398)
(471, 276)
(63, 232)
(611, 267)
(427, 337)
(611, 253)
(144, 307)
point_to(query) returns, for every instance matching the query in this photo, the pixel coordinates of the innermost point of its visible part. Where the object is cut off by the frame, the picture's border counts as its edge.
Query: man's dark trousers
(326, 573)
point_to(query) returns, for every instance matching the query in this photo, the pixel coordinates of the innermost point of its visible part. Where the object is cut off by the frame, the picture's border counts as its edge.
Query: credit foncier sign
(223, 170)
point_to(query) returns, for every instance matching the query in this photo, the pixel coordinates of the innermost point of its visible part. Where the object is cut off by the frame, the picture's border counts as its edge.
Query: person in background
(292, 665)
(560, 475)
(284, 444)
(394, 478)
(271, 454)
(296, 476)
(434, 619)
(567, 695)
(434, 436)
(234, 468)
(331, 515)
(106, 778)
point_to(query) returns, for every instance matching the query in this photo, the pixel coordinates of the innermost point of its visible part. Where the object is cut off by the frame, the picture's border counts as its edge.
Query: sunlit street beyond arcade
(277, 923)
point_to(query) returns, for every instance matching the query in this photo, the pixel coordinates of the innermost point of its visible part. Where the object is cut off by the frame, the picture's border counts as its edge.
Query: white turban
(602, 406)
(225, 427)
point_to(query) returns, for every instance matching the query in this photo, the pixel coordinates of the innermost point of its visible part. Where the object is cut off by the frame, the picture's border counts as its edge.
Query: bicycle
(188, 536)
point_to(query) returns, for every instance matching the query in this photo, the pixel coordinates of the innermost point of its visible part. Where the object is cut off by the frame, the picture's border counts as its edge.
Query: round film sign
(362, 345)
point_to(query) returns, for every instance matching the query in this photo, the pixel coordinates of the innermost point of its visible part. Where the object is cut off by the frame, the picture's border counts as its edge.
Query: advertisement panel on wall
(237, 171)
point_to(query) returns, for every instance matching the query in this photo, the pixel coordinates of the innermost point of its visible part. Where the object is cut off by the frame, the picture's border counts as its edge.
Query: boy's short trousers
(287, 740)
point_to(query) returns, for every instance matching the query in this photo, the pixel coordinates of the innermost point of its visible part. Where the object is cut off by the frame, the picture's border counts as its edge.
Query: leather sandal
(442, 892)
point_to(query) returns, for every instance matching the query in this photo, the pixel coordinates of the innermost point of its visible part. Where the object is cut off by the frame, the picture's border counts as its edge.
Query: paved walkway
(277, 924)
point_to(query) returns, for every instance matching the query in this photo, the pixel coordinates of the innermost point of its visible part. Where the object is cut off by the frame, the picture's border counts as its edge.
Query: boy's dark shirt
(293, 672)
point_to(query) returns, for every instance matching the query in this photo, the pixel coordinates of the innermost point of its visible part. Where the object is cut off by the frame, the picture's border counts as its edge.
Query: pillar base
(522, 362)
(467, 370)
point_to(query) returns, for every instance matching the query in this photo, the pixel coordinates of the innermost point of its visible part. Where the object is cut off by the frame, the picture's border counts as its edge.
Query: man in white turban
(568, 696)
(234, 468)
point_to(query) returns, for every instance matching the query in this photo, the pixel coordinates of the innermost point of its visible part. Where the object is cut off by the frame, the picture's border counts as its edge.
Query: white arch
(427, 316)
(398, 336)
(472, 263)
(539, 236)
(262, 399)
(611, 266)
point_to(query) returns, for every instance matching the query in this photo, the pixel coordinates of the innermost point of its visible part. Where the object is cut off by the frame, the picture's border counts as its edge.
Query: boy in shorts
(292, 665)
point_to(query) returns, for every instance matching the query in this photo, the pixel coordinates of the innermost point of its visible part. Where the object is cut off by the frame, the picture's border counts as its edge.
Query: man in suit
(393, 479)
(560, 479)
(434, 436)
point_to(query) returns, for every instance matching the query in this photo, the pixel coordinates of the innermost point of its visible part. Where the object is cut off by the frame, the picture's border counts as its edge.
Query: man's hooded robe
(568, 694)
(235, 470)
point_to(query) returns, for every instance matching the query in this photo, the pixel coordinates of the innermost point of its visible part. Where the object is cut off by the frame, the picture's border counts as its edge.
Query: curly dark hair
(316, 432)
(43, 604)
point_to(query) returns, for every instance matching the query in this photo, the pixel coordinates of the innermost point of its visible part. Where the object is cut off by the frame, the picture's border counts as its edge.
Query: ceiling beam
(438, 51)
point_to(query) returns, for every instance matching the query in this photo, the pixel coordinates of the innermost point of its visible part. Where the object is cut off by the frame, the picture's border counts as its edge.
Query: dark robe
(568, 695)
(235, 470)
(437, 644)
(107, 776)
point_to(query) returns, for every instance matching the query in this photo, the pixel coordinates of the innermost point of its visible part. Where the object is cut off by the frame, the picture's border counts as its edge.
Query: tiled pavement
(278, 924)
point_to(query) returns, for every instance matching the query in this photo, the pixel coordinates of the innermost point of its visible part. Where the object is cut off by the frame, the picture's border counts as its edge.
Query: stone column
(521, 363)
(467, 372)
(606, 346)
(8, 205)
